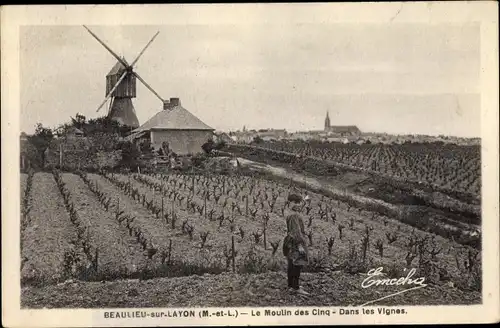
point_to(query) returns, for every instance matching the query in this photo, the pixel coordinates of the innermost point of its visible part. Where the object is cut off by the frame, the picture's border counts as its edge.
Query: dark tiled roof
(343, 128)
(118, 68)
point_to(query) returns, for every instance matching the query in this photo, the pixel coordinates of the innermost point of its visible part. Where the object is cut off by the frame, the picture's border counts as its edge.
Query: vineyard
(109, 226)
(445, 167)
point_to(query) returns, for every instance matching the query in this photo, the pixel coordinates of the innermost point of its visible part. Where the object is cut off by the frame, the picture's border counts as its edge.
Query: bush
(104, 141)
(211, 145)
(253, 262)
(317, 263)
(130, 154)
(208, 146)
(220, 145)
(199, 159)
(257, 140)
(40, 141)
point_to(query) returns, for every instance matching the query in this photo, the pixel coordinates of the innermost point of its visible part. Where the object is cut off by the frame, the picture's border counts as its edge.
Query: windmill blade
(111, 105)
(147, 86)
(113, 90)
(147, 45)
(123, 62)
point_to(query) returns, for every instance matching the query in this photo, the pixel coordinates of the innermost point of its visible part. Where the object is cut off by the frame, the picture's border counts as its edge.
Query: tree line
(102, 133)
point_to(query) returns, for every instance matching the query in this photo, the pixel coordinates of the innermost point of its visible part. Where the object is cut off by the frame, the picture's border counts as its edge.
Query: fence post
(96, 260)
(246, 205)
(192, 183)
(233, 252)
(60, 156)
(162, 208)
(265, 240)
(169, 251)
(205, 203)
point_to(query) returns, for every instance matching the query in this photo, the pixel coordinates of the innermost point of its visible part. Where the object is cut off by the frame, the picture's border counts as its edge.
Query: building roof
(224, 136)
(176, 118)
(343, 128)
(272, 133)
(135, 135)
(118, 68)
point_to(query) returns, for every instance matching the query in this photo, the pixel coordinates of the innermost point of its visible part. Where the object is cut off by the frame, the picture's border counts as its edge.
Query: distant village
(336, 133)
(346, 134)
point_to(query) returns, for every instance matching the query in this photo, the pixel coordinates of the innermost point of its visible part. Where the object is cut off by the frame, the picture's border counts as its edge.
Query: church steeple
(327, 122)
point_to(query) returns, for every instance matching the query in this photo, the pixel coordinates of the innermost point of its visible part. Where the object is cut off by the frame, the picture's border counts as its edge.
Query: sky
(397, 78)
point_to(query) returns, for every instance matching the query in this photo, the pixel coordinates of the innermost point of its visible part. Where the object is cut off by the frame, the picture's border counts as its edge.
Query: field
(111, 227)
(447, 167)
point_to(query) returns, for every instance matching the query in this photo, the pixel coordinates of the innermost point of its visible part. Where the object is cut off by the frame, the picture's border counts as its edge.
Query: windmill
(121, 86)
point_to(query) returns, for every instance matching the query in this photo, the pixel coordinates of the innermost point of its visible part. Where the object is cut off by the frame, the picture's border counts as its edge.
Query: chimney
(175, 102)
(169, 105)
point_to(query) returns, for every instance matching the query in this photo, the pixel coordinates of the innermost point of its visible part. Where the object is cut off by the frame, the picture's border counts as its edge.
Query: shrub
(40, 141)
(317, 263)
(208, 146)
(253, 262)
(257, 140)
(130, 155)
(198, 159)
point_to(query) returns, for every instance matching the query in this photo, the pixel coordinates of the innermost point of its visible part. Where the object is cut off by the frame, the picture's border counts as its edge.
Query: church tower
(327, 122)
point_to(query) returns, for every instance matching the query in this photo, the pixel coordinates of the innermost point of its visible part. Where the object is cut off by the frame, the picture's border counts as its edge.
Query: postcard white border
(483, 12)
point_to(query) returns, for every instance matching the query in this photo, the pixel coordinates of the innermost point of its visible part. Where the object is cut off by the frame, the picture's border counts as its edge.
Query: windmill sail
(121, 86)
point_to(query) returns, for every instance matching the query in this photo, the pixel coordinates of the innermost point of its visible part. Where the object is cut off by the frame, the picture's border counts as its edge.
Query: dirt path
(310, 182)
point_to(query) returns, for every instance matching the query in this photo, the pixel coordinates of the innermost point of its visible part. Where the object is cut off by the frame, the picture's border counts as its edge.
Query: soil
(227, 289)
(328, 287)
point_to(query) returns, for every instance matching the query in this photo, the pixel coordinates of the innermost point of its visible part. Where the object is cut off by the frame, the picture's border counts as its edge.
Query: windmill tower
(121, 87)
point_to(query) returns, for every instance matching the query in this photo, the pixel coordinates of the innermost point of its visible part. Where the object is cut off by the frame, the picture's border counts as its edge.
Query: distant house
(184, 132)
(360, 141)
(303, 136)
(245, 137)
(344, 130)
(343, 140)
(222, 137)
(272, 134)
